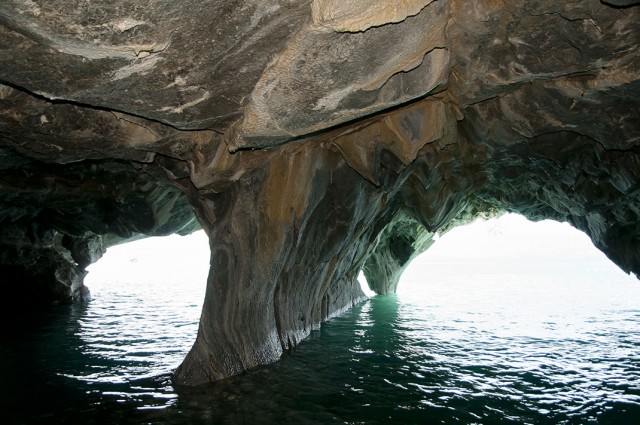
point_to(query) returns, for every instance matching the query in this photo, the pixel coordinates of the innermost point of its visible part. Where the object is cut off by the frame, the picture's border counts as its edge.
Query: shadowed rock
(397, 245)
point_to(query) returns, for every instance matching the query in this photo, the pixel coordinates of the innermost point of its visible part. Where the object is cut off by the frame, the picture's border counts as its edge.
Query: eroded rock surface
(311, 139)
(395, 247)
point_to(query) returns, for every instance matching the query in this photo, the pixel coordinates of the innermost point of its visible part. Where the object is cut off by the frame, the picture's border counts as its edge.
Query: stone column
(290, 228)
(288, 239)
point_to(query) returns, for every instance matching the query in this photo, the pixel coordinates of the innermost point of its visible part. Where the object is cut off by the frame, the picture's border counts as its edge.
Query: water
(493, 343)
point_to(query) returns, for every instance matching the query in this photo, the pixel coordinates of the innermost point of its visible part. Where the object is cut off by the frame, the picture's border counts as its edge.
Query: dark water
(558, 344)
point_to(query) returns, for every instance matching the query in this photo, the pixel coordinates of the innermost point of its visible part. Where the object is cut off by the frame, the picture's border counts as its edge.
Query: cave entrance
(531, 314)
(514, 270)
(147, 298)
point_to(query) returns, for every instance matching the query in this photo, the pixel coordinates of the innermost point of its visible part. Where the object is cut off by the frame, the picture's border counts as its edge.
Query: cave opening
(498, 267)
(509, 274)
(147, 298)
(513, 309)
(509, 245)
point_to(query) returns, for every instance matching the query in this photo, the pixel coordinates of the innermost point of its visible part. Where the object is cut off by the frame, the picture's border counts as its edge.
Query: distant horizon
(510, 238)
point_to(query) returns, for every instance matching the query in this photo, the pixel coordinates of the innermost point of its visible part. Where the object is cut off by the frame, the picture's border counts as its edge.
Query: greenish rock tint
(401, 241)
(404, 238)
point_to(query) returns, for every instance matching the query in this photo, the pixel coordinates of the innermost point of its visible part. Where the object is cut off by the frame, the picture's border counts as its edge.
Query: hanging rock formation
(396, 246)
(310, 139)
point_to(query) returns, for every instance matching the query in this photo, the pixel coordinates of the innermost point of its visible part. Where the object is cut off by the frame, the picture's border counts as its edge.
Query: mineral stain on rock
(310, 139)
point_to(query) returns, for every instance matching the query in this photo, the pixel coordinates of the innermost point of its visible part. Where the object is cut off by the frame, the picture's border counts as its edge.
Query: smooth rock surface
(310, 139)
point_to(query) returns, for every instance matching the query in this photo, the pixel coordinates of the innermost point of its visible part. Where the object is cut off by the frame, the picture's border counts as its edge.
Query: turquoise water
(474, 342)
(518, 347)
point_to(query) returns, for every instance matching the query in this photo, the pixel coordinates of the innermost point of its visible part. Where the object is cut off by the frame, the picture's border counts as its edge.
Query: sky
(513, 237)
(508, 238)
(169, 258)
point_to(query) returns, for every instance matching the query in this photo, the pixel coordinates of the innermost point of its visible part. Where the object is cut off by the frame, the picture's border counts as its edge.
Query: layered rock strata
(310, 139)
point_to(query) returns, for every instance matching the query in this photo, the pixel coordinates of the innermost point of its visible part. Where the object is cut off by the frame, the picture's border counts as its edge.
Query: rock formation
(311, 139)
(397, 244)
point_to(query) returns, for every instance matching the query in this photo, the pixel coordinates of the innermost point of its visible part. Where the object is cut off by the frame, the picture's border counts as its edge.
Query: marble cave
(310, 139)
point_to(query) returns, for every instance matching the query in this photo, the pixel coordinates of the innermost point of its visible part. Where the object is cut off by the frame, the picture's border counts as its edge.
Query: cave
(309, 139)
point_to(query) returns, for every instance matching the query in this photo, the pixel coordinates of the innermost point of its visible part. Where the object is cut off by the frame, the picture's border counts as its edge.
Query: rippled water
(516, 343)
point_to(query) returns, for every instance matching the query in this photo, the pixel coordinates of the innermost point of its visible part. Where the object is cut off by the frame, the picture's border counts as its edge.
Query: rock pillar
(287, 241)
(290, 229)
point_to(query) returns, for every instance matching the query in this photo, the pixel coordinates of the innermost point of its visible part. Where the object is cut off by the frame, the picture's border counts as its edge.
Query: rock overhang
(314, 137)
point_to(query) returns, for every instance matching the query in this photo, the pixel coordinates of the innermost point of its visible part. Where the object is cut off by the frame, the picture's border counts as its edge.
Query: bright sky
(508, 238)
(171, 258)
(512, 237)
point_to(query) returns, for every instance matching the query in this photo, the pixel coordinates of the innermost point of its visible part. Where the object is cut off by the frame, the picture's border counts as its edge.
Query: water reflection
(483, 346)
(389, 360)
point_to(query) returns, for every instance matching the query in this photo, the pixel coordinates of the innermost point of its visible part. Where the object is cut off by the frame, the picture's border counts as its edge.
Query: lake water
(471, 341)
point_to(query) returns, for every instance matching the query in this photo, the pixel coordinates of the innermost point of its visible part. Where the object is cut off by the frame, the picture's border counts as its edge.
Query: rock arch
(309, 139)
